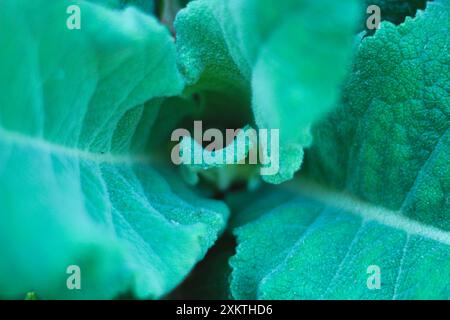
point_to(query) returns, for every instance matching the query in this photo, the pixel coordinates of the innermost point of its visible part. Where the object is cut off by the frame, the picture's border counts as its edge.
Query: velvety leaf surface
(319, 244)
(290, 56)
(389, 142)
(78, 185)
(385, 152)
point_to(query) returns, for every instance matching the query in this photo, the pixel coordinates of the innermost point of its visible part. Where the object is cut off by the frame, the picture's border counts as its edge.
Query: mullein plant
(92, 207)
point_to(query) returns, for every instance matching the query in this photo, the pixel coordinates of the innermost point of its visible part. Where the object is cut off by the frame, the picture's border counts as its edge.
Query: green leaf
(290, 56)
(147, 6)
(78, 184)
(320, 244)
(396, 11)
(381, 190)
(388, 143)
(31, 296)
(144, 5)
(210, 278)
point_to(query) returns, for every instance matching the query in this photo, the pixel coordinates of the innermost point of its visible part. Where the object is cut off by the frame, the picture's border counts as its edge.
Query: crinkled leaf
(389, 141)
(77, 185)
(385, 153)
(319, 245)
(291, 55)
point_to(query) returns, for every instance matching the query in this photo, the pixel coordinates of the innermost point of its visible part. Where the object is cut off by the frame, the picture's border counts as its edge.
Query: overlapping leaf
(321, 245)
(78, 185)
(385, 151)
(388, 143)
(290, 56)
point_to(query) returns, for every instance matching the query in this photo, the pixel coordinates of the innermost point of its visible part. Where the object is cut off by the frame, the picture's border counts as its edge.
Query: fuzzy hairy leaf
(78, 185)
(319, 245)
(389, 142)
(290, 56)
(385, 152)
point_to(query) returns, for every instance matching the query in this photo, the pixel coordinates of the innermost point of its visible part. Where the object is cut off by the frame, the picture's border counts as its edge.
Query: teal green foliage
(388, 142)
(85, 175)
(385, 152)
(396, 11)
(319, 245)
(77, 183)
(266, 49)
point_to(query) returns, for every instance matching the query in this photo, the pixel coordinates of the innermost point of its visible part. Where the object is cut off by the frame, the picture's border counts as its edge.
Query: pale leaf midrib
(369, 212)
(23, 140)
